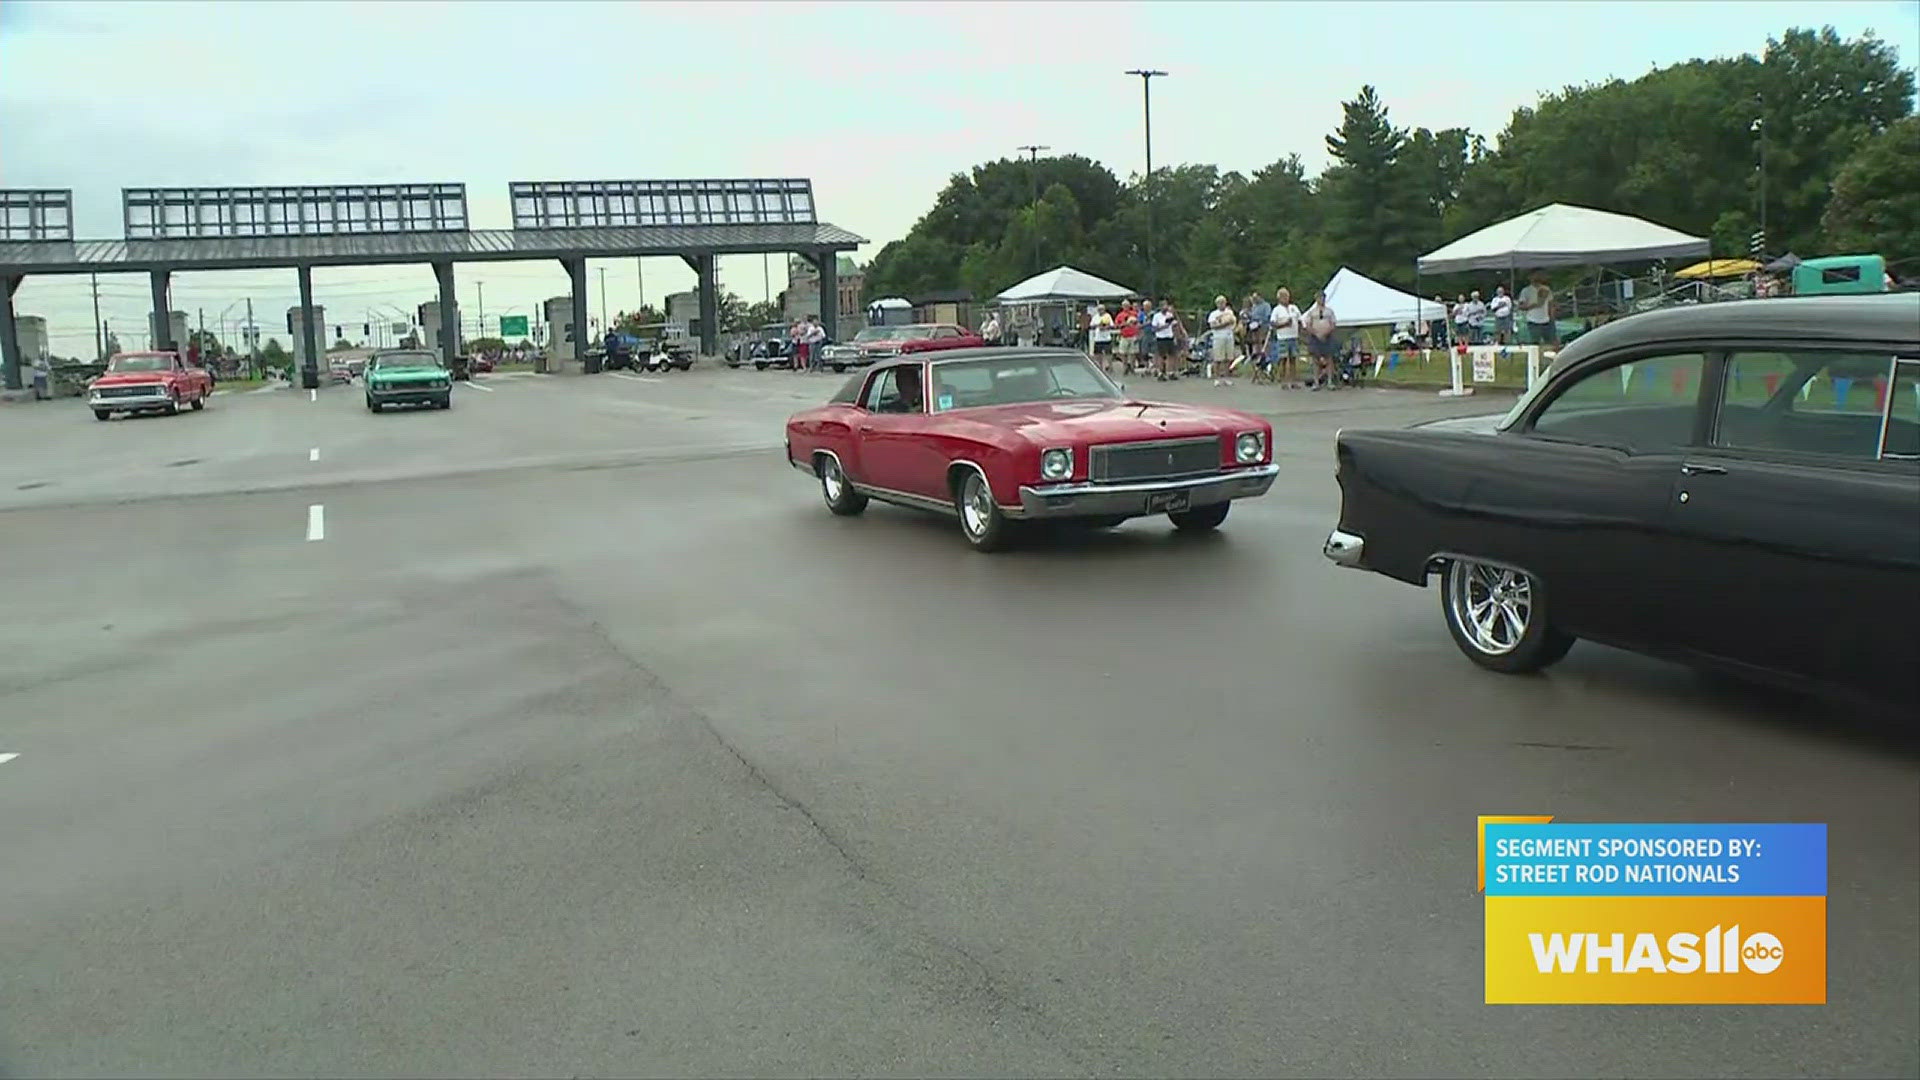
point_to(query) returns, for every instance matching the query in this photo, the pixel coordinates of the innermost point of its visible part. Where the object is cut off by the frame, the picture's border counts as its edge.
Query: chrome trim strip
(1098, 465)
(906, 498)
(1345, 549)
(1010, 511)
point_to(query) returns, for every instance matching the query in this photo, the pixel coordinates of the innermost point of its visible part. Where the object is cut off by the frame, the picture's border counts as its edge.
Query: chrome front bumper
(1085, 499)
(150, 401)
(1344, 548)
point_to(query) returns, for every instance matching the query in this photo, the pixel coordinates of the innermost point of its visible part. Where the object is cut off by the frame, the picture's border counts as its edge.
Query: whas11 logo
(1717, 952)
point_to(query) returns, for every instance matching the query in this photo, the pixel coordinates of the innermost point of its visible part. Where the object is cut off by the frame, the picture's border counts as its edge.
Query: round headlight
(1056, 464)
(1249, 447)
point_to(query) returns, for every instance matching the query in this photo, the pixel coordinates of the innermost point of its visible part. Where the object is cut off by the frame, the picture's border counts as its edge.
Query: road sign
(400, 329)
(513, 326)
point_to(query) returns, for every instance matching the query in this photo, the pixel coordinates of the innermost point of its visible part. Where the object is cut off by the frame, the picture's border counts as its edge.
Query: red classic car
(997, 436)
(148, 381)
(877, 343)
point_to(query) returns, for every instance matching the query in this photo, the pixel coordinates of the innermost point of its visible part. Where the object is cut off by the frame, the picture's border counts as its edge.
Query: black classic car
(1731, 485)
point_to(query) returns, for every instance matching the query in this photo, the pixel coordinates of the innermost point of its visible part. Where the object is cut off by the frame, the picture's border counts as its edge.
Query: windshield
(878, 333)
(405, 360)
(142, 362)
(1018, 379)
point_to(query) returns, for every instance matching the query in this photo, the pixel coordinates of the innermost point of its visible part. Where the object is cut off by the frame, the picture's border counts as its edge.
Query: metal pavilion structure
(167, 230)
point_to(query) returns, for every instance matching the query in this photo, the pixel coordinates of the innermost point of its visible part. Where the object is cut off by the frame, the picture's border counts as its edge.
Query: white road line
(313, 454)
(264, 390)
(635, 378)
(316, 522)
(477, 386)
(217, 393)
(4, 758)
(313, 395)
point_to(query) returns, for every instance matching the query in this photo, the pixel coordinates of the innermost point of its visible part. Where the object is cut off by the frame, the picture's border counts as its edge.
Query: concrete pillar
(709, 307)
(582, 334)
(310, 368)
(829, 264)
(449, 314)
(162, 321)
(9, 342)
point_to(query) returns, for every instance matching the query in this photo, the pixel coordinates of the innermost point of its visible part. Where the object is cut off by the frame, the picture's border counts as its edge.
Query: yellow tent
(1719, 268)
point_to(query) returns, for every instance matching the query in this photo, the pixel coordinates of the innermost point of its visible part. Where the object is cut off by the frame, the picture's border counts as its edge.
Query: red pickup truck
(148, 382)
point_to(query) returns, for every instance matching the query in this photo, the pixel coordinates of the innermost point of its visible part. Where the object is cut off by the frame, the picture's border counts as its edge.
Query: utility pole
(481, 287)
(253, 340)
(640, 278)
(99, 328)
(766, 278)
(604, 324)
(1033, 181)
(1760, 129)
(202, 313)
(1146, 97)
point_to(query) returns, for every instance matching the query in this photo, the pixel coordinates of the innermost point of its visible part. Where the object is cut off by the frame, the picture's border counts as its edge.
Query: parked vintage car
(148, 382)
(407, 377)
(876, 343)
(997, 436)
(1732, 485)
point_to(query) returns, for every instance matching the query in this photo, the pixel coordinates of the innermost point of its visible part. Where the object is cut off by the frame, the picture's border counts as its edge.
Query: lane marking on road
(635, 378)
(264, 390)
(313, 454)
(313, 395)
(4, 758)
(316, 522)
(477, 386)
(217, 393)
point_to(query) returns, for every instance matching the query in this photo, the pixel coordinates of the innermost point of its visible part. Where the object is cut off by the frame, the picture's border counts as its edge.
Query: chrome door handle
(1691, 469)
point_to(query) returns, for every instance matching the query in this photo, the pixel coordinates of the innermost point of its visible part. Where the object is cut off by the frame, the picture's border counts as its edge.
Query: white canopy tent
(1561, 235)
(1358, 300)
(1063, 283)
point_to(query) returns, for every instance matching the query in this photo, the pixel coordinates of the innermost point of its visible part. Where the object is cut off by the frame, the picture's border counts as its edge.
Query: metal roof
(485, 245)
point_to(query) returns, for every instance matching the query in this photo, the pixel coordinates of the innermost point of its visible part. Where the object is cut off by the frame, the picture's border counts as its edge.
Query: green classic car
(407, 377)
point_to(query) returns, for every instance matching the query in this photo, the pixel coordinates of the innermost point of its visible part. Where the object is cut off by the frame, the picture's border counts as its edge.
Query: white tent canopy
(1358, 300)
(1561, 235)
(1064, 283)
(891, 303)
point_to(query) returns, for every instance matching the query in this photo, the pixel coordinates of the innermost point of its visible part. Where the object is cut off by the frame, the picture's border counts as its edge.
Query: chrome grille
(1159, 459)
(130, 391)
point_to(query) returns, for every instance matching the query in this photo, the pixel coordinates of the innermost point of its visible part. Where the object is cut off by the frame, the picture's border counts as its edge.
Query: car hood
(410, 372)
(1055, 423)
(1465, 425)
(129, 378)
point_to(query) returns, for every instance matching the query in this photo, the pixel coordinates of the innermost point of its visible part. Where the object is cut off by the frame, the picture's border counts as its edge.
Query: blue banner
(1656, 860)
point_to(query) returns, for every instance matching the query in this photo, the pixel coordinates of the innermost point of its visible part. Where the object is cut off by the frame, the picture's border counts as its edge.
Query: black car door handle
(1691, 469)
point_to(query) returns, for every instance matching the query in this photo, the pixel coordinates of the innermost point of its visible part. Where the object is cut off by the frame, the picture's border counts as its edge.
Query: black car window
(894, 390)
(1643, 405)
(1805, 402)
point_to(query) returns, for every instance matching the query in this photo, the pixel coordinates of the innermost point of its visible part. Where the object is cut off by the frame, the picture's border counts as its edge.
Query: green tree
(273, 354)
(631, 322)
(341, 345)
(482, 345)
(1876, 196)
(1372, 209)
(761, 312)
(205, 341)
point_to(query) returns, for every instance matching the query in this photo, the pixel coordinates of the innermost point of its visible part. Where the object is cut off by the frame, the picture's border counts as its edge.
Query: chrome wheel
(832, 480)
(976, 507)
(1492, 605)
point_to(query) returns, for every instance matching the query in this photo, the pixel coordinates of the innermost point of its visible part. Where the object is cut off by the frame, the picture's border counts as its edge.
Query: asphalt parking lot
(565, 733)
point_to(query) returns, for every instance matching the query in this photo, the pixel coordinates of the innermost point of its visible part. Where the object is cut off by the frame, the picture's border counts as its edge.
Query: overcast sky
(877, 103)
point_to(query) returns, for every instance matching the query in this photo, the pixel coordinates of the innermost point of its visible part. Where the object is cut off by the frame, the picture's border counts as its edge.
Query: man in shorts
(1283, 343)
(1100, 336)
(1166, 329)
(1320, 330)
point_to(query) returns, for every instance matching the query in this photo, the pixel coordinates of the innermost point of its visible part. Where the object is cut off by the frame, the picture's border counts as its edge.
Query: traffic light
(366, 330)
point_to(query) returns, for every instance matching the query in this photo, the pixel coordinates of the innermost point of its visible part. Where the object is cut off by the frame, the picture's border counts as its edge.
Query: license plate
(1168, 502)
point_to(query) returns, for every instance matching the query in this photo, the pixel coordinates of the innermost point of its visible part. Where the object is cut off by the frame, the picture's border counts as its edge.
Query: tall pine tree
(1369, 221)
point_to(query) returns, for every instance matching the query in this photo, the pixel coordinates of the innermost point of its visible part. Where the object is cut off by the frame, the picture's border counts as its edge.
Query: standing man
(1477, 318)
(1502, 308)
(1320, 329)
(1284, 341)
(42, 378)
(1165, 326)
(1221, 321)
(990, 329)
(1128, 322)
(1536, 300)
(1259, 324)
(816, 344)
(1100, 336)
